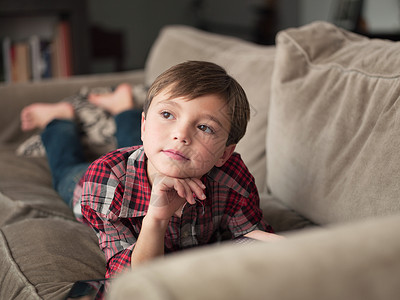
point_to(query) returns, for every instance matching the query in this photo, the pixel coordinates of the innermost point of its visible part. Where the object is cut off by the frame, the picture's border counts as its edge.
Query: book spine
(66, 45)
(34, 43)
(7, 59)
(21, 62)
(62, 57)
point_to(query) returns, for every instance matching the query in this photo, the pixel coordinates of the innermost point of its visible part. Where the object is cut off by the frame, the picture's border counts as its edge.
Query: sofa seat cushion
(333, 134)
(26, 188)
(42, 258)
(281, 218)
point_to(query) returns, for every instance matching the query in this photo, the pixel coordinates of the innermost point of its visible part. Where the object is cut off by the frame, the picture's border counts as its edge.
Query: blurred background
(60, 38)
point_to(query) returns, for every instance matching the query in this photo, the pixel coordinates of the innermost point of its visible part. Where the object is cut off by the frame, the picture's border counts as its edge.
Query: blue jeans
(65, 152)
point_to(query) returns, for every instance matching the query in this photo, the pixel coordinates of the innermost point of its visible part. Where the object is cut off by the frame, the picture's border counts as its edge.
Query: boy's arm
(246, 214)
(116, 244)
(168, 195)
(101, 200)
(150, 243)
(263, 236)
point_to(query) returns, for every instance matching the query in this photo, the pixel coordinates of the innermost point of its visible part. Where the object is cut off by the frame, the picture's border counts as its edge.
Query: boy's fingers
(185, 188)
(196, 187)
(188, 191)
(199, 183)
(180, 188)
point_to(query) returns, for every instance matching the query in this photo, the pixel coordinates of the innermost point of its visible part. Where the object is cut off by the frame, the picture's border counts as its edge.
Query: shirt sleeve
(101, 204)
(246, 215)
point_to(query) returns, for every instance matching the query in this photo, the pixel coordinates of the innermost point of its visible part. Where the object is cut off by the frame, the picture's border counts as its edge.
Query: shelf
(23, 15)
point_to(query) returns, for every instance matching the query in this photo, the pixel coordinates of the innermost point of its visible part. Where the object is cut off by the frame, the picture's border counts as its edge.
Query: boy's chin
(176, 171)
(180, 173)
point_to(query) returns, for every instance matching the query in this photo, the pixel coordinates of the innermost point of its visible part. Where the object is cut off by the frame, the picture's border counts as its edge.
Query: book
(34, 43)
(35, 58)
(21, 62)
(66, 45)
(61, 50)
(6, 45)
(40, 58)
(45, 54)
(16, 61)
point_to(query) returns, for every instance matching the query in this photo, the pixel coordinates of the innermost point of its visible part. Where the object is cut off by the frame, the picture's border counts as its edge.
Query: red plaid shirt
(115, 196)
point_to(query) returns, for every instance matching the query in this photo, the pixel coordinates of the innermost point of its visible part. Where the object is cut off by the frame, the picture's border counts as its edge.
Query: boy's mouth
(175, 154)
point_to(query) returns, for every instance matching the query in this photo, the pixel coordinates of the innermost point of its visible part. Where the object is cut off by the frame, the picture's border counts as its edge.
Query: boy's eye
(206, 129)
(166, 115)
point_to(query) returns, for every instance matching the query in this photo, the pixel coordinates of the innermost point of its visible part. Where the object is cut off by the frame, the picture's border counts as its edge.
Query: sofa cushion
(280, 217)
(178, 43)
(26, 188)
(251, 65)
(333, 133)
(42, 258)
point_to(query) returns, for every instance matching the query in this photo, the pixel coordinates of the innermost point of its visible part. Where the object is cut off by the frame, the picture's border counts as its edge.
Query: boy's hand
(170, 194)
(167, 196)
(264, 236)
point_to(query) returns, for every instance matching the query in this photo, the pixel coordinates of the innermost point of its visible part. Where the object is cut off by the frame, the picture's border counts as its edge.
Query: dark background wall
(254, 20)
(116, 35)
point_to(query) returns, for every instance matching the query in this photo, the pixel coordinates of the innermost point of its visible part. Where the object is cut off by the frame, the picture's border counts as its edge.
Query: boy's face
(185, 138)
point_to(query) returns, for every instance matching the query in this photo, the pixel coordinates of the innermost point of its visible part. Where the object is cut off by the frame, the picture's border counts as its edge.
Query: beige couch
(322, 144)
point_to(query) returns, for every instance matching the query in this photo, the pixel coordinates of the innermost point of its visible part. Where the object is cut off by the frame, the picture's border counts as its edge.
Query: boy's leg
(65, 156)
(128, 119)
(128, 128)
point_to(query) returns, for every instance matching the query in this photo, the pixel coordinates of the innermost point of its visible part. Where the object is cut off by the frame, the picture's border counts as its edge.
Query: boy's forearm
(150, 242)
(263, 236)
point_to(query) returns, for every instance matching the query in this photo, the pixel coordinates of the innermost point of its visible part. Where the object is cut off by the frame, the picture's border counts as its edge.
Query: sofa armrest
(342, 262)
(13, 97)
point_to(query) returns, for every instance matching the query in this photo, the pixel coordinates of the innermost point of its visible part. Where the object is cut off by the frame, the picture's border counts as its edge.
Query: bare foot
(116, 102)
(38, 115)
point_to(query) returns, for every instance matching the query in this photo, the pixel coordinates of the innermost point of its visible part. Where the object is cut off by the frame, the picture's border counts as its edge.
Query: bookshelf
(42, 39)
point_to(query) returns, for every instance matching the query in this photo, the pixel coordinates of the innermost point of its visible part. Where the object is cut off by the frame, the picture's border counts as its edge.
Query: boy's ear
(225, 156)
(142, 126)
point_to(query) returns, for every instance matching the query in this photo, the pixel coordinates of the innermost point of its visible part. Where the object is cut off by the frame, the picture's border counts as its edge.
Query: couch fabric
(43, 250)
(333, 133)
(321, 145)
(343, 263)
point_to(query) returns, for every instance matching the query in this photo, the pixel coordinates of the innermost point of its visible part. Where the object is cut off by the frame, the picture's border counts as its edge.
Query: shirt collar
(137, 192)
(228, 179)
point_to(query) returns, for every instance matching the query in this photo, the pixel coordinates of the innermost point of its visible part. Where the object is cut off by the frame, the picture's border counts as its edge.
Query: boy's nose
(182, 134)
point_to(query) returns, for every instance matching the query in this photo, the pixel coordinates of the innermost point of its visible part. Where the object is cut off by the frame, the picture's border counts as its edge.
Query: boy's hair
(195, 79)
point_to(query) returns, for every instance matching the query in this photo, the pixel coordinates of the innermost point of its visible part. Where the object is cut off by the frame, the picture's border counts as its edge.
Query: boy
(185, 186)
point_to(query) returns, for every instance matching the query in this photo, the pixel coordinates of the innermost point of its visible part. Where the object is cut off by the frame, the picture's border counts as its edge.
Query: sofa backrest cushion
(179, 43)
(333, 134)
(250, 64)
